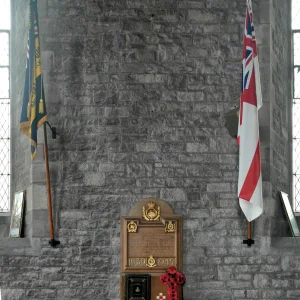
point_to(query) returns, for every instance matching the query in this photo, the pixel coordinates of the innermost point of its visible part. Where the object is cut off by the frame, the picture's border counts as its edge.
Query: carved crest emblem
(170, 226)
(151, 213)
(132, 226)
(151, 263)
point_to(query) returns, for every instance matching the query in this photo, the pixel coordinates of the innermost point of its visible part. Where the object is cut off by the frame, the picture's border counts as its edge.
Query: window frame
(8, 31)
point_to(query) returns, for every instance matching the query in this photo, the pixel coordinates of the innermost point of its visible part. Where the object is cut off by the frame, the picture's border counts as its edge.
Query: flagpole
(52, 241)
(249, 241)
(249, 231)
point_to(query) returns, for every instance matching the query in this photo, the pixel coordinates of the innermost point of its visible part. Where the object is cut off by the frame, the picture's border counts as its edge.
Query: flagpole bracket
(53, 129)
(248, 242)
(53, 243)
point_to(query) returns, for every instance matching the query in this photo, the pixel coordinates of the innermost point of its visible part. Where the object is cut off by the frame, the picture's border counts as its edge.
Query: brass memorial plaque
(151, 241)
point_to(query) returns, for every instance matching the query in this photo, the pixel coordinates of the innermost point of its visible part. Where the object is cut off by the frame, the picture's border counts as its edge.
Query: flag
(249, 180)
(33, 112)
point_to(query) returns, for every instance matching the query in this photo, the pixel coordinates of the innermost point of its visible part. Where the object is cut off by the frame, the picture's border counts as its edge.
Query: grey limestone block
(12, 294)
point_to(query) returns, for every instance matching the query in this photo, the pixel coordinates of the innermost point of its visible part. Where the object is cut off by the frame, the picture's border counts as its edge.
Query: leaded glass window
(4, 106)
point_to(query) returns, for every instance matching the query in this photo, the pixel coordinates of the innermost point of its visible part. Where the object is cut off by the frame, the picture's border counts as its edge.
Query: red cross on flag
(250, 181)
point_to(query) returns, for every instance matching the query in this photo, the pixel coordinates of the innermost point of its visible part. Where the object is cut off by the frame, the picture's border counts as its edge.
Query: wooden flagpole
(52, 241)
(249, 241)
(249, 231)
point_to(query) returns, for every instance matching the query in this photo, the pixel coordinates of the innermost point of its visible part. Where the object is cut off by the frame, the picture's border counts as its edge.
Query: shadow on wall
(231, 119)
(4, 228)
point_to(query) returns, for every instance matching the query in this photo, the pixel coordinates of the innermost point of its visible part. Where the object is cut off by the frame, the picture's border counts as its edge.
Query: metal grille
(296, 102)
(4, 106)
(296, 154)
(4, 123)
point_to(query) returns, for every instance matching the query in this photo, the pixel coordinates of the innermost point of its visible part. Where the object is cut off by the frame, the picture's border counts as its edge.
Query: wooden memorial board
(151, 241)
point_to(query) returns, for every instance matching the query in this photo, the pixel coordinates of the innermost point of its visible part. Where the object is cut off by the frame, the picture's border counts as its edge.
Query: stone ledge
(285, 245)
(20, 246)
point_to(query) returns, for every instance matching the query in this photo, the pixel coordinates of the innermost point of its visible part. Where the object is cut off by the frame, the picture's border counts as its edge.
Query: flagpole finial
(248, 242)
(53, 243)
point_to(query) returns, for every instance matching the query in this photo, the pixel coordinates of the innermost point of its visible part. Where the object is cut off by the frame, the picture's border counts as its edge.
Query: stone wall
(20, 161)
(281, 103)
(281, 94)
(138, 91)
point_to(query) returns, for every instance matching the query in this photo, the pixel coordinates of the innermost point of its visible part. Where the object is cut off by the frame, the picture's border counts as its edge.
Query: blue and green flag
(33, 113)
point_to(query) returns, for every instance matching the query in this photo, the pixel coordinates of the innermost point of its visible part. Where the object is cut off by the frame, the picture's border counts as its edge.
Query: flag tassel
(249, 241)
(52, 241)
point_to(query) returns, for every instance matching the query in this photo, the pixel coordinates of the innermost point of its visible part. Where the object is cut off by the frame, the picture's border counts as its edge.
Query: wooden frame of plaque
(151, 241)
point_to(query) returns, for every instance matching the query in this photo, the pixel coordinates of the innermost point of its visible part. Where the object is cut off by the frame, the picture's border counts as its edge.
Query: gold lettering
(152, 241)
(136, 262)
